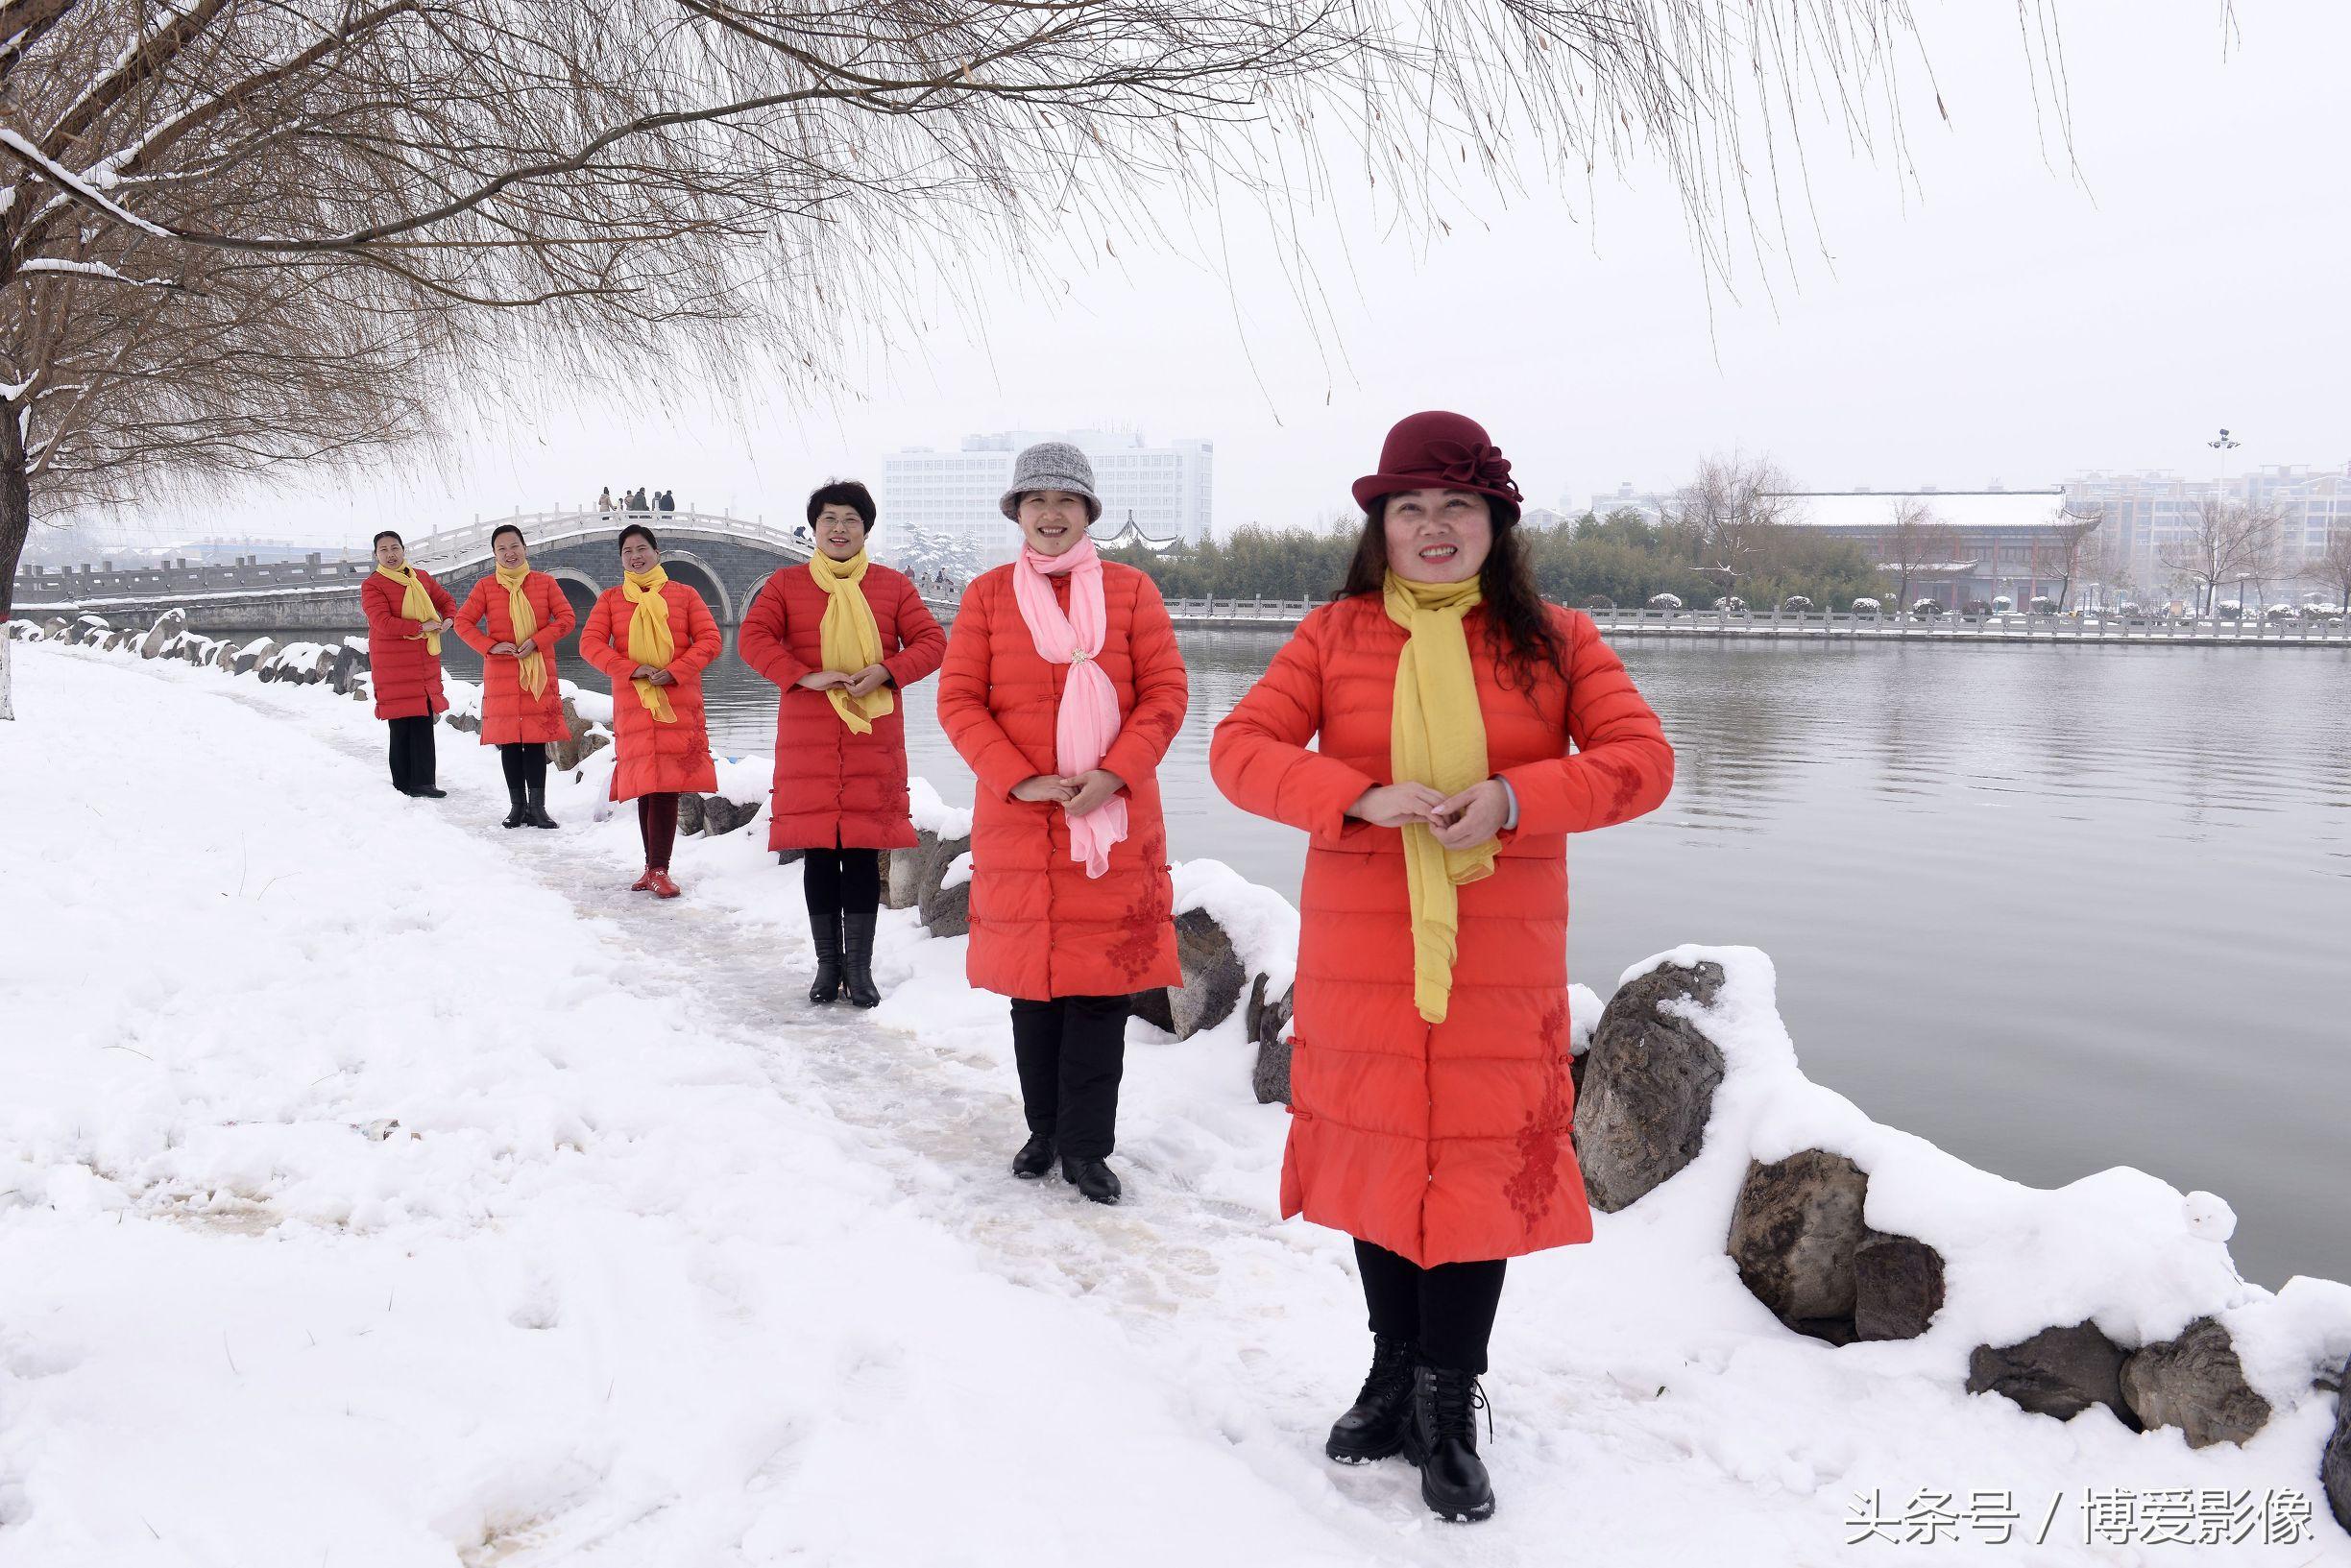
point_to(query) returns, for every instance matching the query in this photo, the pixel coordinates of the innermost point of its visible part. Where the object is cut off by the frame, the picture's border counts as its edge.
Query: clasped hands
(516, 650)
(1076, 793)
(863, 684)
(658, 677)
(1458, 822)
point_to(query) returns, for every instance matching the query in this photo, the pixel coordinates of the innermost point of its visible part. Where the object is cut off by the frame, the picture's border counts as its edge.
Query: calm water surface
(2055, 908)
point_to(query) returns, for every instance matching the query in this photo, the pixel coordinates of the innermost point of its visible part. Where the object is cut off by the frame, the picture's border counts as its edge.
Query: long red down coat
(511, 715)
(404, 674)
(1444, 1143)
(833, 786)
(1040, 927)
(655, 758)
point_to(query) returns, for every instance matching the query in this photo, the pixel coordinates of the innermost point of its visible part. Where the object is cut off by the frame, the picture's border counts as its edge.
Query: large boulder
(1794, 1231)
(1898, 1287)
(2058, 1372)
(56, 628)
(2196, 1384)
(689, 814)
(928, 863)
(1214, 975)
(2335, 1459)
(1269, 1022)
(948, 913)
(249, 658)
(1647, 1085)
(161, 638)
(348, 666)
(722, 815)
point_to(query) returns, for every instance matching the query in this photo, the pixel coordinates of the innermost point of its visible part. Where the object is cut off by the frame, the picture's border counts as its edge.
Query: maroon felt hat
(1438, 450)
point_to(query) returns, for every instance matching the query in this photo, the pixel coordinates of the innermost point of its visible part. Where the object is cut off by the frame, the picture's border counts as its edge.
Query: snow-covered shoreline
(467, 1210)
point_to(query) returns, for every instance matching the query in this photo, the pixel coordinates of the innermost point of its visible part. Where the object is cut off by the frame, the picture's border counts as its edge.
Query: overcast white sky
(2013, 324)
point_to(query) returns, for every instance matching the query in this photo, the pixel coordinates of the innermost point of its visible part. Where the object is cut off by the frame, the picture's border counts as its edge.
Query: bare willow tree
(2078, 550)
(2221, 542)
(245, 234)
(2331, 564)
(1916, 541)
(1727, 517)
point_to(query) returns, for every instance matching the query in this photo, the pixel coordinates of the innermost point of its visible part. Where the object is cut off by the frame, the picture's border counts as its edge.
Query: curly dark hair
(1518, 622)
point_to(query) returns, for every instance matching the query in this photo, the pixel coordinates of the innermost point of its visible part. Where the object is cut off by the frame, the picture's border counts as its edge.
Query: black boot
(534, 811)
(429, 793)
(1036, 1157)
(856, 959)
(517, 814)
(1374, 1426)
(826, 935)
(1442, 1439)
(1091, 1178)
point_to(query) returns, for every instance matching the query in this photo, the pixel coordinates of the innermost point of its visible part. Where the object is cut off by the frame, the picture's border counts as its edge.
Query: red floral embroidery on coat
(1145, 921)
(1530, 1189)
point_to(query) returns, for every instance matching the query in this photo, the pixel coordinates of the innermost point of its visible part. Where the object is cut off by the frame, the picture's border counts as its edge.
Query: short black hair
(638, 528)
(846, 492)
(390, 535)
(505, 528)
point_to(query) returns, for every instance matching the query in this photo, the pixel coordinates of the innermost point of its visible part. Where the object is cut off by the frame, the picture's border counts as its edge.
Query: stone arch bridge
(722, 558)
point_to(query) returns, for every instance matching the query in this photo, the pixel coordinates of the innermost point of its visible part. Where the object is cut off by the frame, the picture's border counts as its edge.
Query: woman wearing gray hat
(1062, 689)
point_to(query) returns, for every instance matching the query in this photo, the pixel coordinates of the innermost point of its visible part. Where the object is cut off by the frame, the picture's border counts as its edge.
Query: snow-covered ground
(381, 1187)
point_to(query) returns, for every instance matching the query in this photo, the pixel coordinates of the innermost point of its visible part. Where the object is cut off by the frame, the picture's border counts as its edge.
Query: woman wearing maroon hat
(1462, 729)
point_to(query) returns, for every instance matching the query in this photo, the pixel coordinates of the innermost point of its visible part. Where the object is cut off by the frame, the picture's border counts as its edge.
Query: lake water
(2052, 907)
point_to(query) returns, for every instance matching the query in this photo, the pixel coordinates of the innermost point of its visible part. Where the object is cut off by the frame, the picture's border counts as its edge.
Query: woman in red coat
(1062, 689)
(841, 636)
(654, 637)
(1466, 728)
(513, 618)
(406, 613)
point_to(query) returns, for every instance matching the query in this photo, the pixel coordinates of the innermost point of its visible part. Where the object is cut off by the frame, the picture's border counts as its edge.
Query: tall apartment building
(1166, 488)
(2144, 512)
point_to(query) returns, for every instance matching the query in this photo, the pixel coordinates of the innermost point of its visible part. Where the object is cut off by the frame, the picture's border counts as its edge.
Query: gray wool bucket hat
(1051, 465)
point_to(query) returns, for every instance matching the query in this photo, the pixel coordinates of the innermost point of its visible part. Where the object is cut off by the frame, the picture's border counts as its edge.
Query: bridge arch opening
(683, 566)
(583, 592)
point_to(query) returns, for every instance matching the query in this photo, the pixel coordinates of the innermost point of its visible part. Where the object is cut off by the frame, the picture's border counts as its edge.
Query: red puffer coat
(833, 786)
(404, 674)
(1444, 1143)
(656, 758)
(1040, 927)
(509, 713)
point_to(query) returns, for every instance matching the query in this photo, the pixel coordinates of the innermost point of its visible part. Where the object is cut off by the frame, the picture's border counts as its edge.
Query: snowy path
(661, 1266)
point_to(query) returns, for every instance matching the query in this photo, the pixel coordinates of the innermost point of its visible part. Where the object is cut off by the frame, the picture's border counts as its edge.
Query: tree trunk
(15, 520)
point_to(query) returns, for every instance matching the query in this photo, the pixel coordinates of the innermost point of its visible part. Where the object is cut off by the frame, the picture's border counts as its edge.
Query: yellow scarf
(526, 621)
(1436, 737)
(849, 638)
(649, 641)
(415, 603)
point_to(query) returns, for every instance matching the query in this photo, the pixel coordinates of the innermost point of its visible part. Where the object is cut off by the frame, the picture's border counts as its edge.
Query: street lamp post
(2224, 444)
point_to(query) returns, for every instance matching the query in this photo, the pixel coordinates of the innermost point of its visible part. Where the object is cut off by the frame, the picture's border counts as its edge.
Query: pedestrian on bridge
(654, 637)
(1062, 689)
(840, 636)
(406, 613)
(513, 618)
(1463, 728)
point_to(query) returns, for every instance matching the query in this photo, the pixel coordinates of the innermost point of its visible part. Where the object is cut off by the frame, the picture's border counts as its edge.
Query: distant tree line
(1721, 536)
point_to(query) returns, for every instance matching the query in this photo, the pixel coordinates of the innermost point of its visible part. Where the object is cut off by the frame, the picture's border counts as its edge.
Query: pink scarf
(1088, 721)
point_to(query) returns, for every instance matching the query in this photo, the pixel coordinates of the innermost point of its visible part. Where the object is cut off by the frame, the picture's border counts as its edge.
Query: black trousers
(412, 754)
(657, 825)
(1071, 1052)
(1448, 1310)
(839, 881)
(525, 762)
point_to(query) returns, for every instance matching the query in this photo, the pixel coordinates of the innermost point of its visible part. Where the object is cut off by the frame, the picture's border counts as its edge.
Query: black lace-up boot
(1374, 1426)
(1442, 1441)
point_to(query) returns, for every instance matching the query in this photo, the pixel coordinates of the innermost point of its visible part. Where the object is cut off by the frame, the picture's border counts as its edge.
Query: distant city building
(1167, 487)
(2004, 542)
(2152, 513)
(1651, 505)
